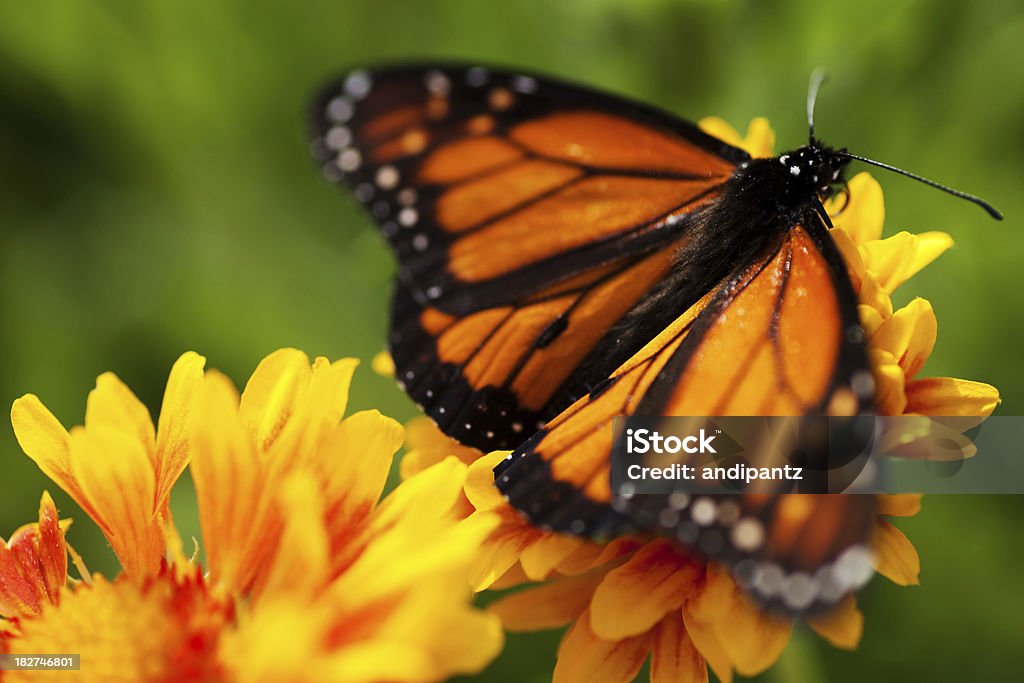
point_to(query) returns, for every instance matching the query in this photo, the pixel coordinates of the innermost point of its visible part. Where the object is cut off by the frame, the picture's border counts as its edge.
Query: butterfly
(568, 256)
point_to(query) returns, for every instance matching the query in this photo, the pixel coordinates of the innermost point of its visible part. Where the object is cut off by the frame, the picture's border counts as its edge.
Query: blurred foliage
(156, 196)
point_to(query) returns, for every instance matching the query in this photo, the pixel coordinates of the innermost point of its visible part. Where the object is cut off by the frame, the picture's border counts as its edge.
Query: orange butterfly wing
(532, 221)
(778, 337)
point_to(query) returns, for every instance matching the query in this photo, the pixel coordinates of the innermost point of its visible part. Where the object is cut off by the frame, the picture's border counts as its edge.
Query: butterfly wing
(535, 224)
(779, 336)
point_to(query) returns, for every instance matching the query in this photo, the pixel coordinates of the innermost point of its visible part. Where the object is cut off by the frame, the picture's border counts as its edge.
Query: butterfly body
(567, 257)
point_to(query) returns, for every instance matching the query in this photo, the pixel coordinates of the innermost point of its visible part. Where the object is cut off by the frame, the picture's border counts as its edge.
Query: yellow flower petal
(896, 259)
(462, 641)
(360, 453)
(946, 396)
(113, 406)
(899, 504)
(427, 445)
(53, 552)
(870, 319)
(546, 553)
(172, 445)
(299, 566)
(674, 657)
(890, 398)
(500, 552)
(480, 488)
(758, 142)
(851, 256)
(325, 404)
(721, 129)
(253, 653)
(585, 658)
(862, 213)
(312, 414)
(708, 644)
(230, 482)
(872, 295)
(116, 476)
(752, 638)
(422, 499)
(590, 555)
(397, 561)
(549, 605)
(19, 596)
(366, 662)
(634, 597)
(383, 364)
(514, 577)
(843, 626)
(272, 394)
(417, 516)
(47, 443)
(909, 336)
(895, 556)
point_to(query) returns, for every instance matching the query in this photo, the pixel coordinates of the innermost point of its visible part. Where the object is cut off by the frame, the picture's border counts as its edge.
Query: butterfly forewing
(530, 218)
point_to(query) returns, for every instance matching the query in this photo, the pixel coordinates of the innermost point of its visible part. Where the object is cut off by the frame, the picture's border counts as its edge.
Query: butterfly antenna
(992, 211)
(817, 78)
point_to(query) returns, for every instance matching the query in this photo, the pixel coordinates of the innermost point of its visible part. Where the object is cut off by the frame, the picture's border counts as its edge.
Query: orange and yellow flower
(309, 575)
(630, 599)
(34, 564)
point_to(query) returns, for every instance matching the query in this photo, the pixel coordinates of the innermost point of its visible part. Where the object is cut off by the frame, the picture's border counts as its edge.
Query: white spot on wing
(524, 84)
(340, 109)
(477, 76)
(387, 177)
(407, 196)
(358, 84)
(349, 160)
(437, 83)
(408, 217)
(748, 534)
(338, 137)
(703, 511)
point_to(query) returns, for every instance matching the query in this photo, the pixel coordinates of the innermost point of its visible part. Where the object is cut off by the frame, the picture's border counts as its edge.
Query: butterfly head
(814, 168)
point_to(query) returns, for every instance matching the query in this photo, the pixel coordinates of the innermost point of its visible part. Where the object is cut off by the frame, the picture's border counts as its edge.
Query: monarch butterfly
(567, 256)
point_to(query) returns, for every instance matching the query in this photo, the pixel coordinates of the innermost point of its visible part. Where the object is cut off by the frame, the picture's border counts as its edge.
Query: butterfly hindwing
(779, 336)
(534, 222)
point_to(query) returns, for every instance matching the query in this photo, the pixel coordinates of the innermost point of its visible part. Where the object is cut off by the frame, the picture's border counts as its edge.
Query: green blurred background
(156, 196)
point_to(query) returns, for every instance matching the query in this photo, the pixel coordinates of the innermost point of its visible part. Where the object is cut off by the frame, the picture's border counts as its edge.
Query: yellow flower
(127, 495)
(310, 576)
(628, 600)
